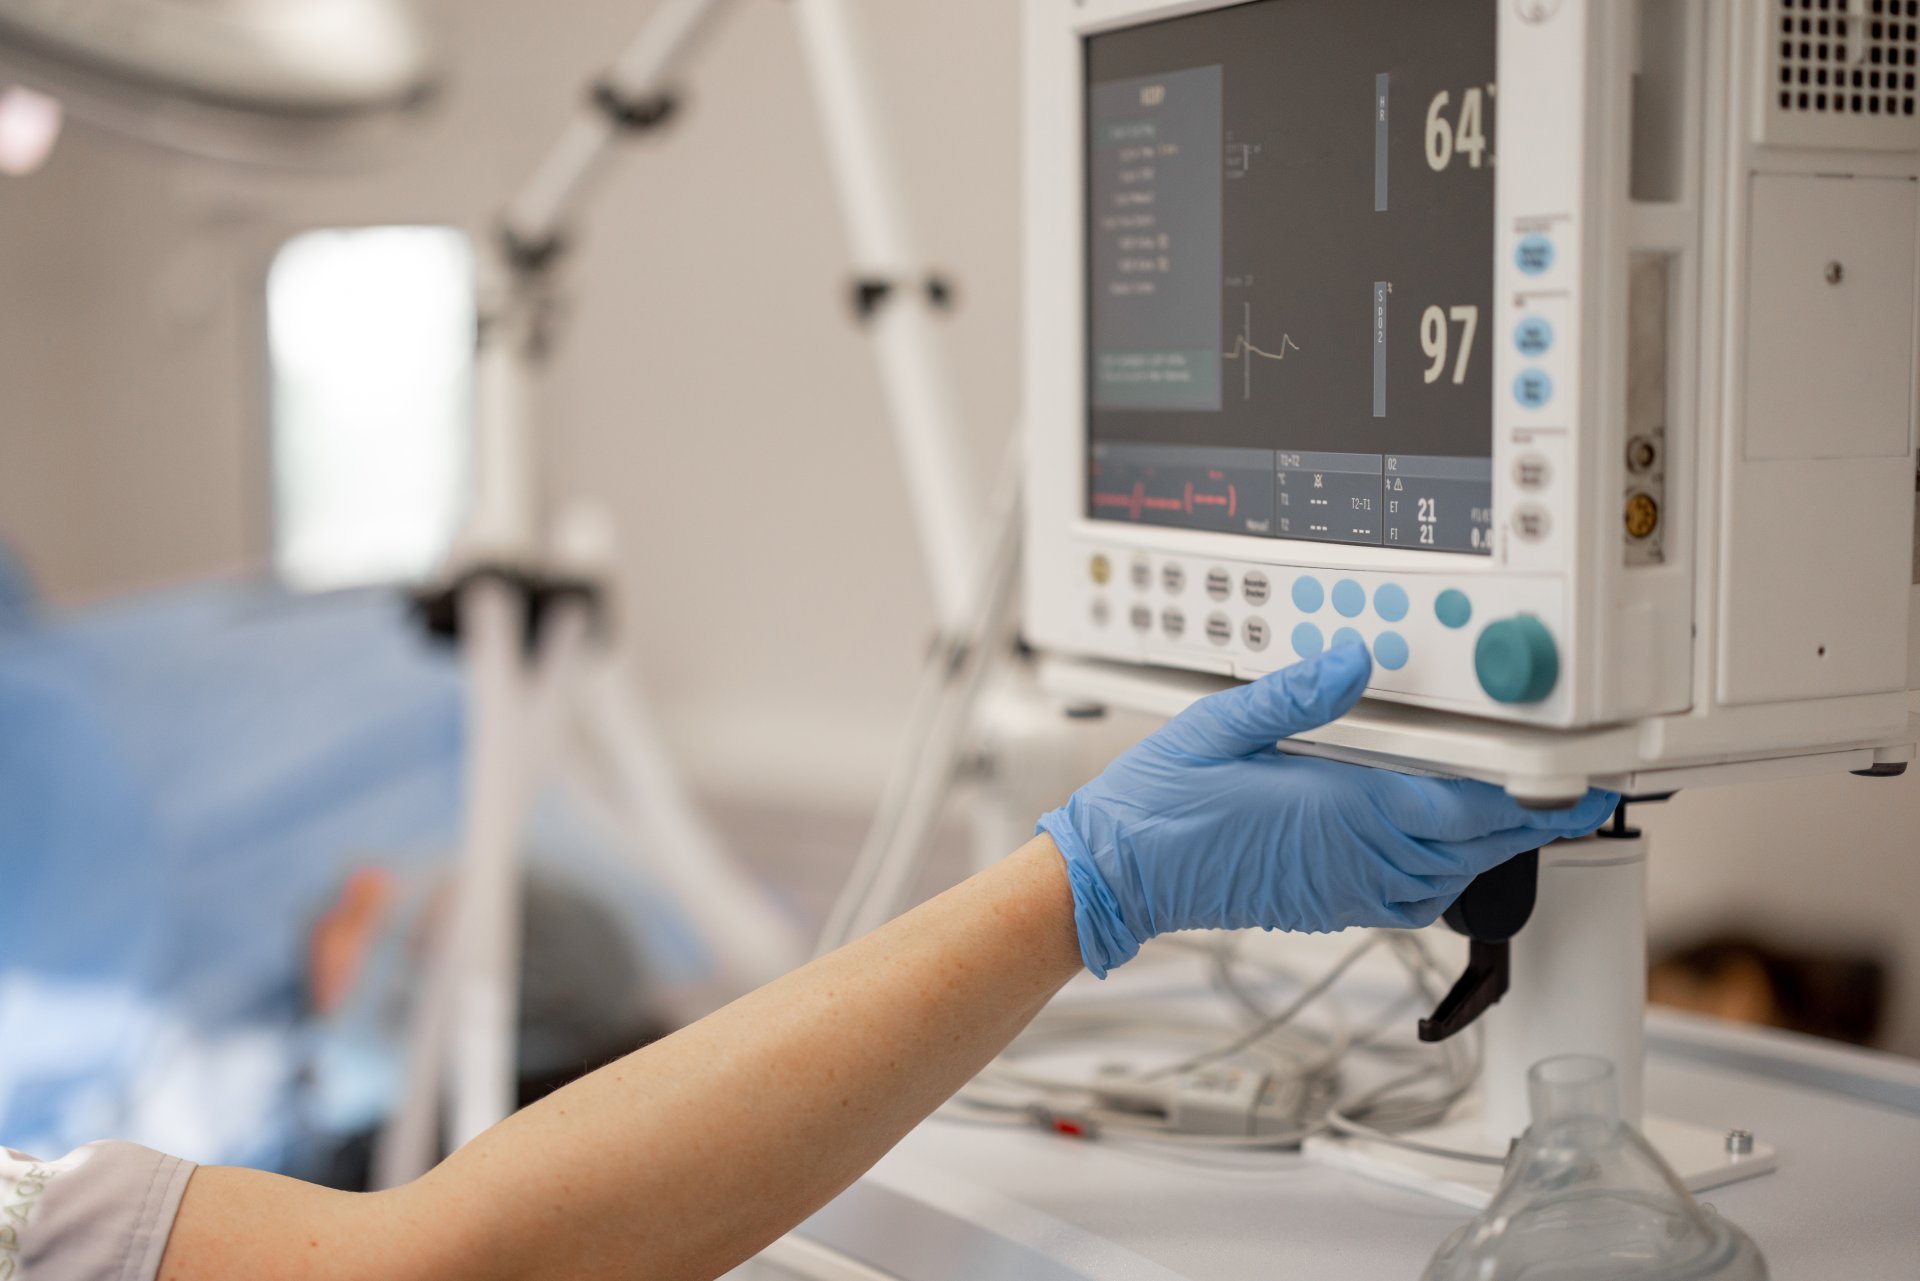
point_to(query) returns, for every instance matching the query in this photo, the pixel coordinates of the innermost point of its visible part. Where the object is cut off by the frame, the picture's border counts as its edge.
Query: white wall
(708, 347)
(1831, 862)
(711, 346)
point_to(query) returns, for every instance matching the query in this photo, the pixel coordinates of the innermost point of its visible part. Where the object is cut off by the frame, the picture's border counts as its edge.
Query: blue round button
(1533, 336)
(1390, 602)
(1349, 598)
(1347, 636)
(1534, 255)
(1453, 608)
(1307, 640)
(1533, 388)
(1390, 650)
(1308, 595)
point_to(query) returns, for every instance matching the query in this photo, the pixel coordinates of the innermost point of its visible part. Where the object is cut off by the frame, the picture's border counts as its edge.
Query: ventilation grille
(1834, 58)
(1843, 73)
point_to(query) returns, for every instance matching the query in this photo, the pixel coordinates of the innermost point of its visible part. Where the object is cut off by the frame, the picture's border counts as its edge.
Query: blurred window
(370, 335)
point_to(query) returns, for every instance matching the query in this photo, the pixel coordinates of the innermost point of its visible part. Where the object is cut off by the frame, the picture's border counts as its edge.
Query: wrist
(1044, 899)
(1104, 938)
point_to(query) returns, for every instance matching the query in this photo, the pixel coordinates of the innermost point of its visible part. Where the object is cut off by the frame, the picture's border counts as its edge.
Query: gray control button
(1219, 584)
(1255, 587)
(1532, 471)
(1101, 612)
(1141, 616)
(1531, 523)
(1219, 628)
(1142, 574)
(1173, 578)
(1173, 623)
(1256, 633)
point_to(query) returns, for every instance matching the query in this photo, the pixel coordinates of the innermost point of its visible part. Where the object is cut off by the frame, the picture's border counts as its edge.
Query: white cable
(1135, 1108)
(1342, 1125)
(940, 728)
(1275, 1021)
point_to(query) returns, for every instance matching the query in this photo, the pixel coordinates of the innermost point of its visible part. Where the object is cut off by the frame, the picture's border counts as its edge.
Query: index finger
(1459, 809)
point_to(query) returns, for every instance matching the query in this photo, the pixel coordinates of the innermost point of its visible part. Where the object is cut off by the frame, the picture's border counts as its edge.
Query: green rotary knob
(1516, 660)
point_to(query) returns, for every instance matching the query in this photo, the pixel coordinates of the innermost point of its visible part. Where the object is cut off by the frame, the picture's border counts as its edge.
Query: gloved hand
(1205, 824)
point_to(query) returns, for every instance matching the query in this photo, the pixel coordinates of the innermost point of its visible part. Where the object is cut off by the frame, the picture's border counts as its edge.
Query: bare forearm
(689, 1155)
(694, 1152)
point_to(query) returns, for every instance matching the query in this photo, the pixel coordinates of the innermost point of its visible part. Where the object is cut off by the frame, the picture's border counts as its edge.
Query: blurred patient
(224, 815)
(585, 1000)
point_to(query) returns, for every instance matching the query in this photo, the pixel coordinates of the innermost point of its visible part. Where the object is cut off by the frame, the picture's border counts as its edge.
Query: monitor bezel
(1057, 286)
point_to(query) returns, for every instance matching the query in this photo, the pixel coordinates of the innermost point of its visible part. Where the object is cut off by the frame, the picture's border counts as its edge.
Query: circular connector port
(1642, 455)
(1643, 515)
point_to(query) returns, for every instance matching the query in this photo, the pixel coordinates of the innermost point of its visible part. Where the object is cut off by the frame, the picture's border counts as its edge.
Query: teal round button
(1453, 608)
(1516, 660)
(1390, 651)
(1390, 602)
(1346, 636)
(1308, 594)
(1307, 640)
(1349, 598)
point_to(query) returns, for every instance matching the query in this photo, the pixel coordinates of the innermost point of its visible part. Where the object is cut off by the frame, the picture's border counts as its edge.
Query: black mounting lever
(1490, 912)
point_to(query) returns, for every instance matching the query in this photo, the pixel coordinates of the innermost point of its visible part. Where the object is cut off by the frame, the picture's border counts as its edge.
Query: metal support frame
(462, 1046)
(1579, 987)
(941, 723)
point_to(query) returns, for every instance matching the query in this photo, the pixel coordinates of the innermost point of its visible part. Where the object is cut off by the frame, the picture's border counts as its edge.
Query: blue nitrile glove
(1206, 825)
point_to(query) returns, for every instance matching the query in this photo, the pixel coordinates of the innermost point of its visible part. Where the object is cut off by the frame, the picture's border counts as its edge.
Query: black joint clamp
(531, 257)
(634, 115)
(438, 608)
(869, 293)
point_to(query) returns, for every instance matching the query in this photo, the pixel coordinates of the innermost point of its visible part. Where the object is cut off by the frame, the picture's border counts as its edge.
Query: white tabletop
(955, 1201)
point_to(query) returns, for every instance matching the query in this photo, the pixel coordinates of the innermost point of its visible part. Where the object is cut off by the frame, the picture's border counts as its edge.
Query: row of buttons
(1389, 648)
(1173, 621)
(1390, 601)
(1254, 585)
(1533, 388)
(1514, 659)
(1349, 598)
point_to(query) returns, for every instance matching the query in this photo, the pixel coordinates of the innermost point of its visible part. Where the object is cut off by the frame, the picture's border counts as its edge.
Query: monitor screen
(1290, 246)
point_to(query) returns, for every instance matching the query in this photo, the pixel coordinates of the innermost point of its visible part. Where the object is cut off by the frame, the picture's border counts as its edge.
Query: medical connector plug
(1586, 1198)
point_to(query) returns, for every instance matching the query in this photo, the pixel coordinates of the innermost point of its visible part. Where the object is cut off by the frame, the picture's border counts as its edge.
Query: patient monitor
(1561, 351)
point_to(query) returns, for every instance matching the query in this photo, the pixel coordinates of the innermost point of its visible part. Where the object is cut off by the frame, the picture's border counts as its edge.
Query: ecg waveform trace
(1137, 501)
(1246, 352)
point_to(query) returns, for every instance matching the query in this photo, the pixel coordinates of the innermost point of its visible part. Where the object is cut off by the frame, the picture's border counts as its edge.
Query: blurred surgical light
(303, 56)
(282, 81)
(29, 126)
(370, 337)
